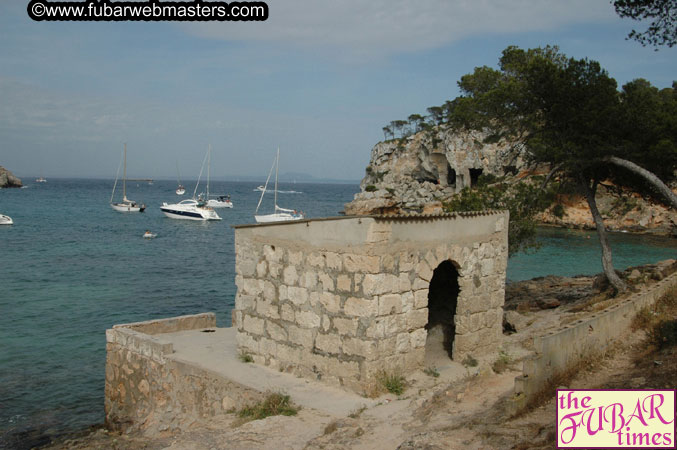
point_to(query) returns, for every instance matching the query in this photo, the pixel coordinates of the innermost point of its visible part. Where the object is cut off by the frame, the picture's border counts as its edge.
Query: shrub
(370, 188)
(558, 210)
(275, 404)
(502, 362)
(245, 357)
(469, 361)
(393, 383)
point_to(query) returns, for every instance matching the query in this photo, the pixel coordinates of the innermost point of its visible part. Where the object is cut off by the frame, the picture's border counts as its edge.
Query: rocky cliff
(7, 179)
(416, 174)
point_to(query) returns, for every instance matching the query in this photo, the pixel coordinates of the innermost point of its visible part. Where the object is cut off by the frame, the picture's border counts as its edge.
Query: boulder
(7, 179)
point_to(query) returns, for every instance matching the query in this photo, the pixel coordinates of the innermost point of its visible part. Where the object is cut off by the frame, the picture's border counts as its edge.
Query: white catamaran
(279, 214)
(125, 205)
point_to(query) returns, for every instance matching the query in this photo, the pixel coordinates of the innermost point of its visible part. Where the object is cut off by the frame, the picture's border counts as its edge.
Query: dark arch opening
(475, 176)
(451, 176)
(442, 301)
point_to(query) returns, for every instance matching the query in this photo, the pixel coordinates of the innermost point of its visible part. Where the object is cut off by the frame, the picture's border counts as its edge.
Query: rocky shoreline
(8, 180)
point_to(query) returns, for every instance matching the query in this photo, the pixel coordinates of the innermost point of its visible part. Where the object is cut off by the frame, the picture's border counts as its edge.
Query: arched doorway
(442, 301)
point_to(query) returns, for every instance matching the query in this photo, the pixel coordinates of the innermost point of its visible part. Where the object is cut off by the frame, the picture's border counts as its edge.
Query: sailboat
(193, 209)
(180, 190)
(279, 214)
(125, 205)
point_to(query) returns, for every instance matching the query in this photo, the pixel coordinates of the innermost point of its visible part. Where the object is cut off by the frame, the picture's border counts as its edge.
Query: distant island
(7, 179)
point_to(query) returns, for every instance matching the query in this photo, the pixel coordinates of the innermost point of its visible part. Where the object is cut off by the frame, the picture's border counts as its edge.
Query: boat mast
(277, 166)
(209, 160)
(124, 177)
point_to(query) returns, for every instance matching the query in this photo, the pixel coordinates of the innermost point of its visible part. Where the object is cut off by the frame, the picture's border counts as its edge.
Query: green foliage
(502, 362)
(368, 169)
(392, 382)
(432, 372)
(663, 16)
(370, 188)
(558, 210)
(522, 200)
(469, 361)
(245, 357)
(275, 404)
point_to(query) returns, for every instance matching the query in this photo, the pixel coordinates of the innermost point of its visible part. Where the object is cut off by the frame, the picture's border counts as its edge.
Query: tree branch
(656, 182)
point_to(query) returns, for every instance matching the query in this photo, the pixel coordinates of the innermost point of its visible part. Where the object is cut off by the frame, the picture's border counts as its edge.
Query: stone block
(424, 271)
(404, 282)
(288, 354)
(395, 324)
(333, 261)
(360, 307)
(360, 347)
(287, 312)
(421, 299)
(417, 338)
(416, 318)
(267, 347)
(388, 263)
(380, 284)
(326, 323)
(309, 280)
(407, 261)
(290, 276)
(343, 283)
(252, 286)
(361, 263)
(327, 282)
(274, 270)
(295, 258)
(329, 343)
(261, 269)
(245, 302)
(269, 291)
(315, 260)
(276, 332)
(389, 304)
(253, 325)
(272, 253)
(308, 319)
(267, 309)
(408, 301)
(402, 343)
(300, 336)
(297, 295)
(246, 343)
(331, 302)
(345, 327)
(376, 329)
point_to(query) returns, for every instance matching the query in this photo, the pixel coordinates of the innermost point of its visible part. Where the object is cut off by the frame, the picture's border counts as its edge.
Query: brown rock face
(7, 179)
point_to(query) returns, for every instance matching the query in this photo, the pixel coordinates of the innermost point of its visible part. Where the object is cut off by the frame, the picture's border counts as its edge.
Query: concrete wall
(147, 389)
(343, 299)
(559, 350)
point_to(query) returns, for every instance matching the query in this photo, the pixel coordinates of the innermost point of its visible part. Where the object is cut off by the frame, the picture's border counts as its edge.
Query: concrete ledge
(559, 350)
(172, 324)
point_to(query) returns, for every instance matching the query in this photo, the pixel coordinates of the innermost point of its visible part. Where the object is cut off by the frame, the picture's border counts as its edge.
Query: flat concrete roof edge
(382, 217)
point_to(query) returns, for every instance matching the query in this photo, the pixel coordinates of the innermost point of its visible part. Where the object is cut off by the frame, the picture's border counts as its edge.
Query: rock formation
(416, 173)
(7, 179)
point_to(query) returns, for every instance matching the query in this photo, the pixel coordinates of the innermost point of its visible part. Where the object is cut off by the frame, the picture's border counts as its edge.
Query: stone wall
(148, 389)
(342, 299)
(561, 349)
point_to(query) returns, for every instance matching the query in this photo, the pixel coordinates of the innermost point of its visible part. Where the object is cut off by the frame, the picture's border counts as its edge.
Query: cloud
(385, 27)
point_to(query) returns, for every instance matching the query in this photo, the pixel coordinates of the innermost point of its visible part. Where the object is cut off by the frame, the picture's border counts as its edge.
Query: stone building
(342, 299)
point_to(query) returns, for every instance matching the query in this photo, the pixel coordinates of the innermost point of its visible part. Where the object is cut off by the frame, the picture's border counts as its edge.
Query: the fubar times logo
(616, 418)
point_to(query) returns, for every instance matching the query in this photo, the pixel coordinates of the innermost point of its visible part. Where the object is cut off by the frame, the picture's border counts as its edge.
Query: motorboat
(193, 209)
(5, 220)
(222, 201)
(180, 190)
(126, 205)
(41, 180)
(149, 235)
(189, 209)
(279, 214)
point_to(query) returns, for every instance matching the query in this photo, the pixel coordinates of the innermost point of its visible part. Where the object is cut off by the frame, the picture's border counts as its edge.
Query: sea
(71, 267)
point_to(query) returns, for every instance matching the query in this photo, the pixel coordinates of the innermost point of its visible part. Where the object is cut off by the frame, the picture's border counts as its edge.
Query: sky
(319, 79)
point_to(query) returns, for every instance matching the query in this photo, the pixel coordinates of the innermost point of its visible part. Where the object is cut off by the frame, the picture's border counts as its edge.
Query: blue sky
(319, 79)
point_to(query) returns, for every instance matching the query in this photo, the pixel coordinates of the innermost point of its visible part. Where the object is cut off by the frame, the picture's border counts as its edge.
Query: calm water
(71, 267)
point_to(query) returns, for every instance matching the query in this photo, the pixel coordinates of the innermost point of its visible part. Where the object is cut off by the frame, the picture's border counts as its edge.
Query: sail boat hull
(128, 207)
(278, 217)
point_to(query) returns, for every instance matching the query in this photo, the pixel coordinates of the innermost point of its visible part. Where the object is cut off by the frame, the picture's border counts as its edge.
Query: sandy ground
(446, 412)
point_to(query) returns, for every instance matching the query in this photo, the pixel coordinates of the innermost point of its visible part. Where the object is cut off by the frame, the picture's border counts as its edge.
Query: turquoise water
(71, 267)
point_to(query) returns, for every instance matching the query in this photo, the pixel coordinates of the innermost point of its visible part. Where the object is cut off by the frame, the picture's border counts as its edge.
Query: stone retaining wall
(147, 389)
(342, 299)
(559, 350)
